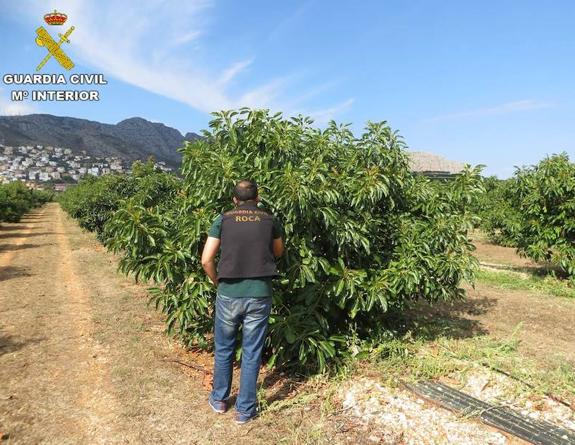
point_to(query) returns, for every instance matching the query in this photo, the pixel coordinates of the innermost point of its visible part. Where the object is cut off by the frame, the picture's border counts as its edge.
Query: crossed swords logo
(54, 48)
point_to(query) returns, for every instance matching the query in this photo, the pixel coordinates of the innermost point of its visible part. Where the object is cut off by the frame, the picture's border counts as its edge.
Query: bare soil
(500, 255)
(543, 324)
(84, 360)
(546, 323)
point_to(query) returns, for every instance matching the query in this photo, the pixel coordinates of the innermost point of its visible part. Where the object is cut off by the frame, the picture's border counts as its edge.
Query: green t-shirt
(244, 287)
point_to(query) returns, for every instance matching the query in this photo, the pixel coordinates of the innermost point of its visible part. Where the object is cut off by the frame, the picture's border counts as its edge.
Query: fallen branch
(511, 376)
(192, 366)
(529, 385)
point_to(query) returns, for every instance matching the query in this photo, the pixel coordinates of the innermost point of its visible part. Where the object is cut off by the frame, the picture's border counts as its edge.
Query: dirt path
(545, 324)
(488, 253)
(82, 357)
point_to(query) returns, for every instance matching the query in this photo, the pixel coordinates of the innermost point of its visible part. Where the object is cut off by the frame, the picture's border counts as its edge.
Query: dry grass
(83, 358)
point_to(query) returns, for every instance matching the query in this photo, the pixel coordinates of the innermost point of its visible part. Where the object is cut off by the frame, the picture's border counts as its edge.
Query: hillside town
(41, 165)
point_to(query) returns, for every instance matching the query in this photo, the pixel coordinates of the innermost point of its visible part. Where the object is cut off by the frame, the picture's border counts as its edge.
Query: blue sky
(488, 82)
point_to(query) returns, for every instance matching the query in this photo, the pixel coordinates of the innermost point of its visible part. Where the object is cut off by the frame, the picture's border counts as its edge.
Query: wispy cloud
(129, 42)
(266, 95)
(148, 45)
(186, 37)
(310, 93)
(506, 108)
(10, 108)
(284, 26)
(324, 116)
(234, 70)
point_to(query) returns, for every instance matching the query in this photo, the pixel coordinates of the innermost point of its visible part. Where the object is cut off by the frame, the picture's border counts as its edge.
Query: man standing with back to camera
(250, 239)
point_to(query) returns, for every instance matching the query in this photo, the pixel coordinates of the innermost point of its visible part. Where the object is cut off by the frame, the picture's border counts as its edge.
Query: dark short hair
(246, 190)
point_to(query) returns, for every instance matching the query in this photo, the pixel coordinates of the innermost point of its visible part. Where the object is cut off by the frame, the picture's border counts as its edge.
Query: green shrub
(94, 200)
(545, 198)
(535, 212)
(364, 235)
(498, 217)
(16, 199)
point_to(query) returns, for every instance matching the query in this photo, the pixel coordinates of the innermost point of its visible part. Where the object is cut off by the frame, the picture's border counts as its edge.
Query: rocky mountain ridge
(131, 139)
(137, 138)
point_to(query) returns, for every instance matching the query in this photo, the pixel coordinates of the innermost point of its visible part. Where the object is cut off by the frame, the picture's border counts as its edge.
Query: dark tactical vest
(247, 243)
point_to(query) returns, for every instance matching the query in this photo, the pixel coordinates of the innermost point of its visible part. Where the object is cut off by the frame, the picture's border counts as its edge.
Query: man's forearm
(210, 269)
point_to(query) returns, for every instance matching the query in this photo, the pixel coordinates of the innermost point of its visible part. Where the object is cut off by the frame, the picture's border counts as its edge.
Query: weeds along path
(545, 324)
(83, 359)
(504, 301)
(56, 379)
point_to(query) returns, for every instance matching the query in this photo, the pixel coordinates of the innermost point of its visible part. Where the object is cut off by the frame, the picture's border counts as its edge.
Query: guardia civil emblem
(54, 48)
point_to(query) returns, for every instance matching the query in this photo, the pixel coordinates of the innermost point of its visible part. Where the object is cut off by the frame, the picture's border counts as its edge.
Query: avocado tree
(363, 234)
(545, 198)
(497, 212)
(16, 199)
(95, 200)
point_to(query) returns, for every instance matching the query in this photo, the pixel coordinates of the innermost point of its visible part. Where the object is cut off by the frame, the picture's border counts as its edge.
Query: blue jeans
(253, 314)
